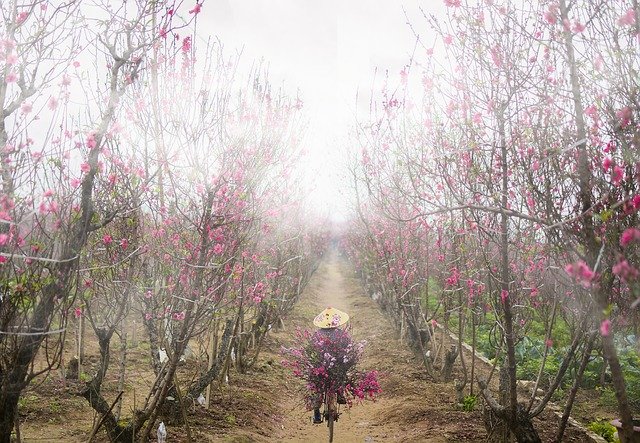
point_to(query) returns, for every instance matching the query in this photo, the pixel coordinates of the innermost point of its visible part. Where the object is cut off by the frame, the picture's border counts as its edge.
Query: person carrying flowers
(327, 363)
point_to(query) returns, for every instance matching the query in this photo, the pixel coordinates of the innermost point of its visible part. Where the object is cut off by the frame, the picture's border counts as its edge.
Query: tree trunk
(590, 239)
(449, 359)
(15, 378)
(8, 412)
(575, 387)
(497, 418)
(212, 374)
(122, 369)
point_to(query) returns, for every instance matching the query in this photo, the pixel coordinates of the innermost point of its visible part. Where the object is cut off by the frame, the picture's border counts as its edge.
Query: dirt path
(410, 407)
(265, 403)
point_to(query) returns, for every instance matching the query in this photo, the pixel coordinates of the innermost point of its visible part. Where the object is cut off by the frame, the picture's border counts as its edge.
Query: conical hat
(330, 318)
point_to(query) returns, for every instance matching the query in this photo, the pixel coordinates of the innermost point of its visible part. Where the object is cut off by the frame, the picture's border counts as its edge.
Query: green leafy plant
(27, 400)
(604, 429)
(55, 407)
(607, 397)
(469, 403)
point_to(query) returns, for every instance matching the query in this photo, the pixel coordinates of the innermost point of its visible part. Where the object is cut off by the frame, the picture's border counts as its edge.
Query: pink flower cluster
(625, 270)
(327, 362)
(581, 272)
(630, 235)
(258, 292)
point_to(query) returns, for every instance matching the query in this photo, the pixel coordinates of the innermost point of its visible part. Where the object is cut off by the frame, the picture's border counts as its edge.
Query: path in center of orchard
(410, 408)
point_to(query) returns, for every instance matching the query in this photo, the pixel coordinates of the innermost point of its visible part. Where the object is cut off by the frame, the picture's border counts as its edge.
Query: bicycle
(330, 411)
(327, 362)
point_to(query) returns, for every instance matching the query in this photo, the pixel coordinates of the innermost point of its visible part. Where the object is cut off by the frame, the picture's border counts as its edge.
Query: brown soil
(412, 407)
(265, 404)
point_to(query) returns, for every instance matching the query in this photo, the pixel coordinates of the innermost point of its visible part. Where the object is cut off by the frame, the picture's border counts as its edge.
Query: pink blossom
(7, 44)
(404, 76)
(26, 108)
(85, 167)
(148, 316)
(606, 164)
(624, 115)
(550, 17)
(107, 239)
(452, 3)
(453, 279)
(91, 140)
(196, 9)
(11, 77)
(53, 103)
(76, 64)
(48, 193)
(257, 298)
(504, 294)
(629, 235)
(591, 111)
(3, 259)
(124, 243)
(179, 316)
(4, 238)
(496, 57)
(578, 27)
(186, 44)
(12, 58)
(218, 249)
(536, 165)
(163, 32)
(610, 147)
(77, 312)
(628, 18)
(605, 327)
(75, 182)
(22, 17)
(581, 272)
(636, 201)
(46, 208)
(617, 175)
(548, 343)
(625, 271)
(531, 203)
(448, 39)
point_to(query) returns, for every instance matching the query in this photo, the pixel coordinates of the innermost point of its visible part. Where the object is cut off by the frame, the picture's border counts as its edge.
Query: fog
(328, 52)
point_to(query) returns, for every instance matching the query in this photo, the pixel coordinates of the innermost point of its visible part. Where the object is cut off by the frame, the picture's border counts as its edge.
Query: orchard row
(143, 180)
(505, 195)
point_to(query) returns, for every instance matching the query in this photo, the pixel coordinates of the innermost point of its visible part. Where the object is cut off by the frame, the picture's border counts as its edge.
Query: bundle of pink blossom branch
(327, 362)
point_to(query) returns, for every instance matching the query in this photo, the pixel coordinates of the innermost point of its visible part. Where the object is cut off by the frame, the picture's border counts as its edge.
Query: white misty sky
(328, 50)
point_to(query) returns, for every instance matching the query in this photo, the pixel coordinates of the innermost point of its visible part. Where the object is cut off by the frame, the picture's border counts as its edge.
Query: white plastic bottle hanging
(162, 433)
